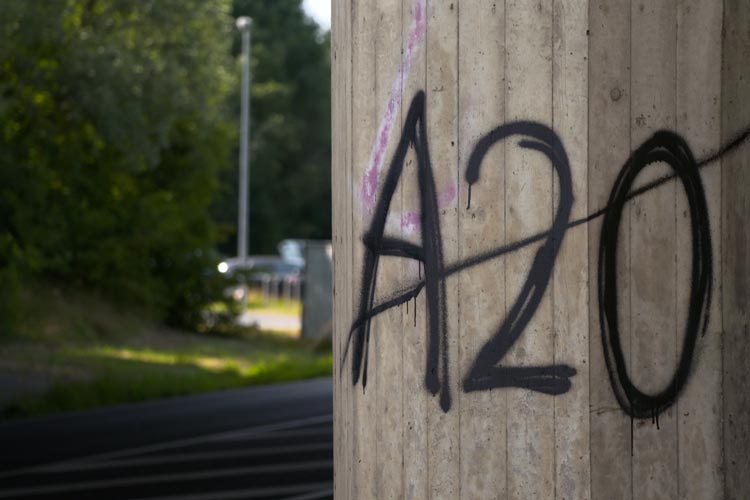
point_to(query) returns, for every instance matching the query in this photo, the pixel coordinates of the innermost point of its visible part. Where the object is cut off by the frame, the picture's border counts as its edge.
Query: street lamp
(243, 236)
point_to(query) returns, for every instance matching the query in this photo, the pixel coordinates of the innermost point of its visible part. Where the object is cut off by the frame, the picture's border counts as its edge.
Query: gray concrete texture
(539, 233)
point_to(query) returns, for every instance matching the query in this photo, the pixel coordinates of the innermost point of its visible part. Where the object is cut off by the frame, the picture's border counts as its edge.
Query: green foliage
(121, 382)
(290, 180)
(113, 132)
(90, 354)
(10, 300)
(118, 130)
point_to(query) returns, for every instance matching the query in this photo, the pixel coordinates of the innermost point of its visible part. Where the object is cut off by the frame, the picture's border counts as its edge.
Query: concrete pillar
(541, 286)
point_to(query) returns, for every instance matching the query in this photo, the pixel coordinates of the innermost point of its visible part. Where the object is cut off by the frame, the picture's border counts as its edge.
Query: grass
(256, 302)
(93, 354)
(278, 306)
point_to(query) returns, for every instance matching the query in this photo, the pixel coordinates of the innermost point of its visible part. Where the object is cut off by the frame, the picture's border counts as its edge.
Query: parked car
(261, 264)
(273, 275)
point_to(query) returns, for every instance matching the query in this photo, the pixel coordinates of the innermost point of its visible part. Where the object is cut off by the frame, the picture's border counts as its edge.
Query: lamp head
(244, 23)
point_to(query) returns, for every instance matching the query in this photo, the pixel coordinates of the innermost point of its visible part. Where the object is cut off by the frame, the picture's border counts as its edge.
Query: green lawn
(256, 302)
(279, 306)
(93, 355)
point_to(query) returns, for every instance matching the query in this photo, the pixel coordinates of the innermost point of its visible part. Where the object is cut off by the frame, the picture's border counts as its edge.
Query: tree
(113, 133)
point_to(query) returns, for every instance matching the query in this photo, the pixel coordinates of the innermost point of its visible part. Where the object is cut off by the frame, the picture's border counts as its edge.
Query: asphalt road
(265, 442)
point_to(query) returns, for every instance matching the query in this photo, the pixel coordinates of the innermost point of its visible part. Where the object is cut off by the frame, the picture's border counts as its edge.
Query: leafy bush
(113, 132)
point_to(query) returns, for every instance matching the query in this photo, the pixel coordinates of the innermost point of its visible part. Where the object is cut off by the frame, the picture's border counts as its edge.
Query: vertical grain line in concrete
(630, 236)
(505, 217)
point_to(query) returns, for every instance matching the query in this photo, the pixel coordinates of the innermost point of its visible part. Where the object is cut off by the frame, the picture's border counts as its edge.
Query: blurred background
(121, 278)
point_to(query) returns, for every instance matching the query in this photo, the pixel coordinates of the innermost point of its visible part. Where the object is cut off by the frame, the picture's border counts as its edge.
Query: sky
(320, 10)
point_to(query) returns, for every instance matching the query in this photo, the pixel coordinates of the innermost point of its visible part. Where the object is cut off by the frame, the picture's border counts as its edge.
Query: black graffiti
(430, 254)
(669, 148)
(486, 372)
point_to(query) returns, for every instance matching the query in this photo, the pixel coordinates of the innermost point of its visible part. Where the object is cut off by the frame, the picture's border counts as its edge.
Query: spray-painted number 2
(486, 371)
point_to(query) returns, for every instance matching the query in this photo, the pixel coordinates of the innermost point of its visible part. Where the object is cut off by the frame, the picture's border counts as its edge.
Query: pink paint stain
(411, 221)
(372, 173)
(447, 196)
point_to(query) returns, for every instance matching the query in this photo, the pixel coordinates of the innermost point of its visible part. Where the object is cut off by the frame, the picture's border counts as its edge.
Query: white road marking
(250, 493)
(178, 443)
(186, 457)
(163, 478)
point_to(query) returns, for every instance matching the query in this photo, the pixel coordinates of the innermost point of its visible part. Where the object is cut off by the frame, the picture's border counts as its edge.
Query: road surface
(265, 442)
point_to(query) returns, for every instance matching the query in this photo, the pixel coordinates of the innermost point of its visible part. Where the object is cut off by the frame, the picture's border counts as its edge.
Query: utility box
(317, 290)
(540, 231)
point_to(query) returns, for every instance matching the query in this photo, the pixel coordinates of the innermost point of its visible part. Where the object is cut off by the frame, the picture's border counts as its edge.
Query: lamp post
(243, 231)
